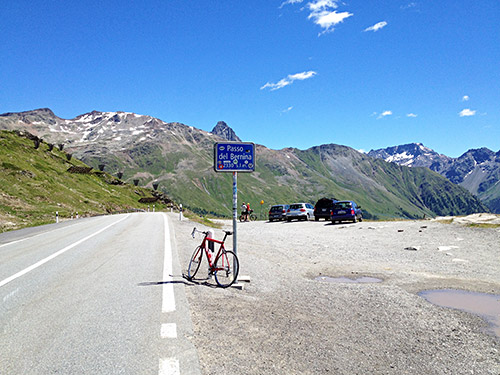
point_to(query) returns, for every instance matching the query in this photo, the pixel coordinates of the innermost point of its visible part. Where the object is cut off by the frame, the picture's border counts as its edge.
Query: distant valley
(179, 160)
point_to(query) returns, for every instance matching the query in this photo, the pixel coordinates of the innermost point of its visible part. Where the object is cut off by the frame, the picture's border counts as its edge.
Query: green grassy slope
(35, 183)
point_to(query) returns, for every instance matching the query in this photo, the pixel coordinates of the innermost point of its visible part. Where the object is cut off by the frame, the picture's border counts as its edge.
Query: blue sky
(366, 74)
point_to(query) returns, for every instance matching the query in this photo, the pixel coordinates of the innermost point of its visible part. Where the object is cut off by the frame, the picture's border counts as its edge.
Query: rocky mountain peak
(410, 155)
(224, 131)
(480, 155)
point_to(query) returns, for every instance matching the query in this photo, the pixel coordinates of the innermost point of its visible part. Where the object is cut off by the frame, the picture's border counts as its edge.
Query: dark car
(323, 208)
(346, 211)
(278, 212)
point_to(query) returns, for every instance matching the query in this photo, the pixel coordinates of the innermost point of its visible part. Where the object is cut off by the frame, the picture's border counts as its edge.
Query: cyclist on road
(244, 211)
(249, 211)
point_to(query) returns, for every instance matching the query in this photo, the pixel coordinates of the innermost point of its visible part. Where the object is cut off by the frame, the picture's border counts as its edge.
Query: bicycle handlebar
(199, 231)
(228, 232)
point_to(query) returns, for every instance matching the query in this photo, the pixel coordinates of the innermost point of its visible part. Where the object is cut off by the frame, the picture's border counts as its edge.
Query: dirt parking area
(290, 320)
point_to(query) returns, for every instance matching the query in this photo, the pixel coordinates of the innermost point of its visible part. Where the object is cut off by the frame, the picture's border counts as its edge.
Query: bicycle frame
(204, 245)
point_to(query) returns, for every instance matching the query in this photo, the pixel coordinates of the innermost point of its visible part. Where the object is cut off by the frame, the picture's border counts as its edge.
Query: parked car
(278, 212)
(346, 211)
(323, 208)
(300, 211)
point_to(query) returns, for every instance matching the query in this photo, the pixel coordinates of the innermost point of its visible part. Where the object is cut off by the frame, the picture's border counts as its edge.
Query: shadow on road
(153, 283)
(185, 281)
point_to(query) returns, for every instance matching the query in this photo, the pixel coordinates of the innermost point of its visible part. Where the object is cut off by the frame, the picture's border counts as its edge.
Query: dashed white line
(56, 254)
(169, 366)
(169, 331)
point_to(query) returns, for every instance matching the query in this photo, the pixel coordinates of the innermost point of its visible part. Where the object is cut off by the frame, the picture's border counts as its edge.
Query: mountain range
(477, 170)
(178, 159)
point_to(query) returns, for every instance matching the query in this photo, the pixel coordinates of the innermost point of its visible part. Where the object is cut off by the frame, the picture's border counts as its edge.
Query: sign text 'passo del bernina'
(234, 157)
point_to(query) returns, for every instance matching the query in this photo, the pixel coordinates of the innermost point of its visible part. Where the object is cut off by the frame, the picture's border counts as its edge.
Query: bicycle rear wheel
(194, 263)
(226, 269)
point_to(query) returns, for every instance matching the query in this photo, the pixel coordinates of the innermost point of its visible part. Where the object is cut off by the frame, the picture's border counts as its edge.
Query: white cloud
(467, 112)
(286, 110)
(411, 115)
(302, 76)
(275, 86)
(320, 5)
(290, 2)
(384, 114)
(465, 98)
(327, 20)
(289, 80)
(323, 13)
(377, 26)
(410, 5)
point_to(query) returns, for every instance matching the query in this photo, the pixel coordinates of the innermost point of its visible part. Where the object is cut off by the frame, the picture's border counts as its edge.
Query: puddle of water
(359, 280)
(485, 305)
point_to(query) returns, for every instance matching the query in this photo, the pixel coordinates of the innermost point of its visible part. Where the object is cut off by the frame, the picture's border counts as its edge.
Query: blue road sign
(234, 157)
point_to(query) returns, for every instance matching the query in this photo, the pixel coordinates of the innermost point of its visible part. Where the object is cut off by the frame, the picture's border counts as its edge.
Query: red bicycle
(224, 266)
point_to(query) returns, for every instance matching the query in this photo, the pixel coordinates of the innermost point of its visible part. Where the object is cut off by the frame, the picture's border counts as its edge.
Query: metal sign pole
(234, 157)
(235, 215)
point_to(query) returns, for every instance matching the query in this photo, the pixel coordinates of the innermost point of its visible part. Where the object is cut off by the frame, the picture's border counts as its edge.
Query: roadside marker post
(234, 157)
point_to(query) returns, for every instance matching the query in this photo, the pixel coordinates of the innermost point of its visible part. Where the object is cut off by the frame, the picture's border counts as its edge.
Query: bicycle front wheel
(226, 269)
(194, 263)
(253, 217)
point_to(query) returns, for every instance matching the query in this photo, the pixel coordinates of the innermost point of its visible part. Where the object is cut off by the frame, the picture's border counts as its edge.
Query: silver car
(300, 211)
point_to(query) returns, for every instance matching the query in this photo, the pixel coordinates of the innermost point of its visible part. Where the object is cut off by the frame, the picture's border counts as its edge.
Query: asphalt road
(94, 296)
(106, 296)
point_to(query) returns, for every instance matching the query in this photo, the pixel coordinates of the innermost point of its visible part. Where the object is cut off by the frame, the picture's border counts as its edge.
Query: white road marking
(168, 298)
(169, 366)
(56, 254)
(11, 294)
(36, 235)
(169, 331)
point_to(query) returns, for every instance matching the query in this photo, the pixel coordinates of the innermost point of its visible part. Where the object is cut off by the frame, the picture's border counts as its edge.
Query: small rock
(412, 248)
(400, 230)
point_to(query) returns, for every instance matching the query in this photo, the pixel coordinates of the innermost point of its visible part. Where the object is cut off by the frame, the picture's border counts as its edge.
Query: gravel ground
(286, 321)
